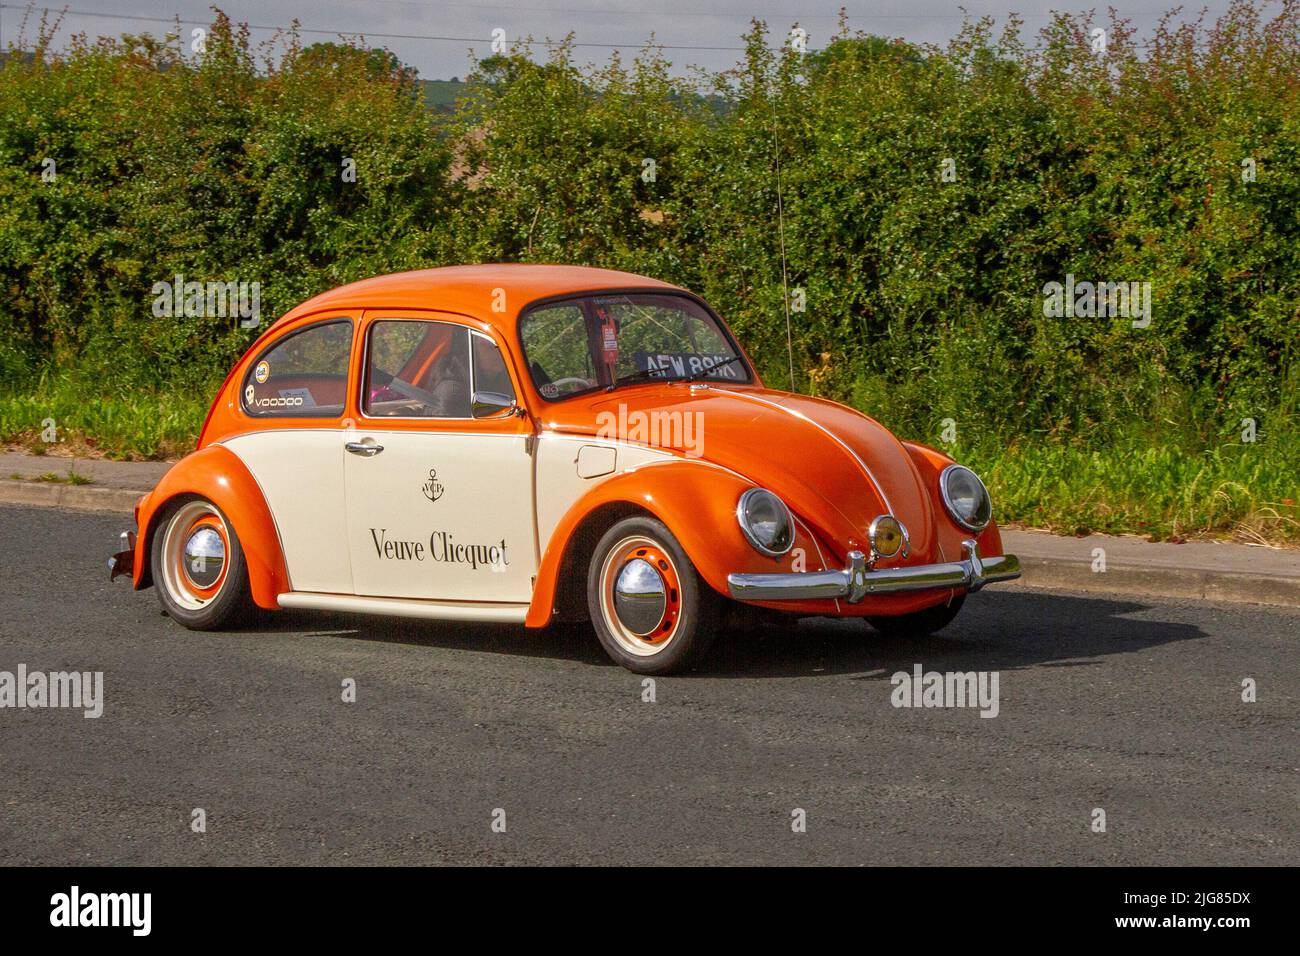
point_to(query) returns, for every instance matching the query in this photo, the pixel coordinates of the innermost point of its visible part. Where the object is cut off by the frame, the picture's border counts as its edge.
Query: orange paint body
(213, 472)
(834, 467)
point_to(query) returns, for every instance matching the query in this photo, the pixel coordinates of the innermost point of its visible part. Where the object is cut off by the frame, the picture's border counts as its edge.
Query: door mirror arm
(494, 405)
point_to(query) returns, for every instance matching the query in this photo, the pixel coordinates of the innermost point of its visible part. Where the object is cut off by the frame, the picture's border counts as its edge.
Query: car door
(295, 395)
(439, 472)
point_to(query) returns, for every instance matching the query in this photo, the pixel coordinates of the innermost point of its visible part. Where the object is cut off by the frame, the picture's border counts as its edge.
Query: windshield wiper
(634, 377)
(696, 376)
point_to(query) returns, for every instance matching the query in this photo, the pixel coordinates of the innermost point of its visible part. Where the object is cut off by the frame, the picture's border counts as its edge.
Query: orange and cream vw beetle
(529, 443)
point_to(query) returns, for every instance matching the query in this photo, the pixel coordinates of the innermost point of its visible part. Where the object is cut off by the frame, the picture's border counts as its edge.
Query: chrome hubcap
(192, 566)
(640, 597)
(205, 555)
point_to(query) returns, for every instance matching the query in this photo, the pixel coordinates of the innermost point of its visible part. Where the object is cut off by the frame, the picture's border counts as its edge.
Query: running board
(406, 607)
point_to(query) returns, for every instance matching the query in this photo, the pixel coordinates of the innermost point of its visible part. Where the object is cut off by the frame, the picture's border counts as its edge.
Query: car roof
(471, 290)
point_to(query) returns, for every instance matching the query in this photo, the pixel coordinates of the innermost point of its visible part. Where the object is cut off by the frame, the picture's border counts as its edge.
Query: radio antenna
(780, 220)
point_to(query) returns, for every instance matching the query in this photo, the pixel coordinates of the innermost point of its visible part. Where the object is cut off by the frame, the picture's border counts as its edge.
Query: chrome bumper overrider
(857, 581)
(124, 561)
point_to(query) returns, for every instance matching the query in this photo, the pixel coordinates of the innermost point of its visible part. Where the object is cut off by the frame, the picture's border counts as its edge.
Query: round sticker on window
(550, 390)
(262, 373)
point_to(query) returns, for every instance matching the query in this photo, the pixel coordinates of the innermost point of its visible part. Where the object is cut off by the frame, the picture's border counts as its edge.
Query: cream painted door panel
(441, 515)
(300, 472)
(569, 466)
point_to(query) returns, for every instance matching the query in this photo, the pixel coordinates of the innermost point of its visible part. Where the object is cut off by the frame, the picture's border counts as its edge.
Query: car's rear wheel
(651, 611)
(919, 623)
(199, 568)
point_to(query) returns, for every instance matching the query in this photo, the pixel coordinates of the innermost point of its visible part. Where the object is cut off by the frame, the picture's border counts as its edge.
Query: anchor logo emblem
(432, 488)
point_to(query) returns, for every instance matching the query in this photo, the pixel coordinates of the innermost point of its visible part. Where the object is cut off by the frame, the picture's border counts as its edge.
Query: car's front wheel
(199, 568)
(651, 611)
(919, 623)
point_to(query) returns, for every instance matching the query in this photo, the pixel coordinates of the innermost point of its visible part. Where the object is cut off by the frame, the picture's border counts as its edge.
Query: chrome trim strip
(884, 499)
(341, 431)
(857, 582)
(406, 607)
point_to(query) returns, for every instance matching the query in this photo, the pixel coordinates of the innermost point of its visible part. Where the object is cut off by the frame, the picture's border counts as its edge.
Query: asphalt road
(1129, 706)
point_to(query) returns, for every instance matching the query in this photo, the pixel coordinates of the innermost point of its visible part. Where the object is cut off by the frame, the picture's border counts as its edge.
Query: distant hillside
(440, 95)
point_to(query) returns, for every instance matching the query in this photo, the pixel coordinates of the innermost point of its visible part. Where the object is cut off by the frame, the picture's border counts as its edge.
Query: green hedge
(924, 297)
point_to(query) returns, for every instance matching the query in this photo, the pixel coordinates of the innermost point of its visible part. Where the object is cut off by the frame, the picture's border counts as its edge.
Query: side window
(304, 375)
(555, 343)
(417, 369)
(490, 374)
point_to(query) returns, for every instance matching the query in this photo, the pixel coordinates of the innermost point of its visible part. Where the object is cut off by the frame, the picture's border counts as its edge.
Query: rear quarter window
(303, 375)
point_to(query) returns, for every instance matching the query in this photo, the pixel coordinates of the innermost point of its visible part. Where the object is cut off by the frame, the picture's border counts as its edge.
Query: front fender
(697, 501)
(217, 474)
(931, 462)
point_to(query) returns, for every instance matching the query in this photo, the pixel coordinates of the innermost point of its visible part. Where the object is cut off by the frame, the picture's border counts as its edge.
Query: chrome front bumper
(857, 581)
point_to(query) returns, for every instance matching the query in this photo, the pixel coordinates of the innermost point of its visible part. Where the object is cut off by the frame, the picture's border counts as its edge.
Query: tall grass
(1148, 485)
(1159, 485)
(127, 423)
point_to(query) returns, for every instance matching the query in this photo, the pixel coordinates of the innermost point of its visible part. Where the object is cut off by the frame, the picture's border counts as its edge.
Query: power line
(365, 33)
(177, 20)
(793, 17)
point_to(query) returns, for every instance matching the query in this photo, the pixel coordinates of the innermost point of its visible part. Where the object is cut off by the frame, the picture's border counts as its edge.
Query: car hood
(835, 467)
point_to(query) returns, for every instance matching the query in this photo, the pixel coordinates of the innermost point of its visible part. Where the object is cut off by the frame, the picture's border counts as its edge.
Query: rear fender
(217, 474)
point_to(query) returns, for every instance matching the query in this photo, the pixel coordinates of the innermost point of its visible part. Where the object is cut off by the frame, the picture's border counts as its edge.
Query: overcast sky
(412, 25)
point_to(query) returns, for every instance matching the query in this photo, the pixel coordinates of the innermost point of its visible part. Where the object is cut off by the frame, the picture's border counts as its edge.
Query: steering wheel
(405, 389)
(572, 380)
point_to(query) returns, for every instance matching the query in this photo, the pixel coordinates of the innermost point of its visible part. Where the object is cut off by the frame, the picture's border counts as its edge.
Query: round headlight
(887, 537)
(766, 522)
(965, 497)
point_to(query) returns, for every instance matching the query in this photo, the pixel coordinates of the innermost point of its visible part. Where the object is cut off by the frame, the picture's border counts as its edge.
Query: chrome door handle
(369, 449)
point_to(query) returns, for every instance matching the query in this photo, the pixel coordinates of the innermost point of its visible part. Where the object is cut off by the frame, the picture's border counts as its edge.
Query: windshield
(603, 340)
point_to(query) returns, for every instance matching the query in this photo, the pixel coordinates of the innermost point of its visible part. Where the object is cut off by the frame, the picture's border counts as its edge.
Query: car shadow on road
(998, 629)
(559, 642)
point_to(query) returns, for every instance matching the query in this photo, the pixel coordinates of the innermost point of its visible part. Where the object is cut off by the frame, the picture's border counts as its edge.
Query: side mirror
(493, 405)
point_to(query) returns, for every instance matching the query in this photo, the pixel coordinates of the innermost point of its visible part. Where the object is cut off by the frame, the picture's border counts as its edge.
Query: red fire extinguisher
(608, 342)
